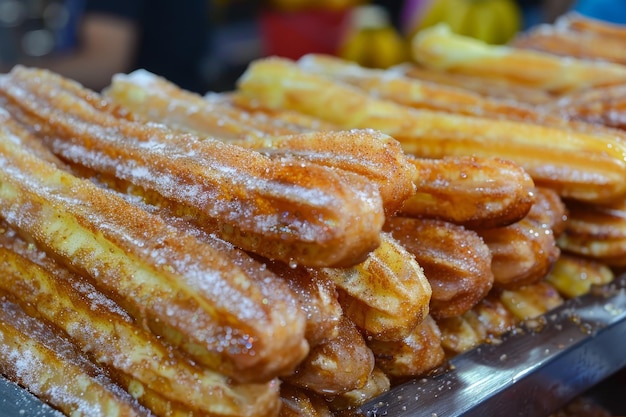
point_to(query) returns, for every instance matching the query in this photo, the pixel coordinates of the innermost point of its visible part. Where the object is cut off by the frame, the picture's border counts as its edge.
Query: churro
(34, 356)
(247, 326)
(456, 262)
(386, 295)
(283, 209)
(574, 276)
(101, 329)
(580, 165)
(596, 231)
(336, 366)
(439, 48)
(371, 154)
(472, 191)
(418, 354)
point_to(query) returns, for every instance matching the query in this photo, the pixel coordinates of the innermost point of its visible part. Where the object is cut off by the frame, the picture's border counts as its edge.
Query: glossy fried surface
(182, 289)
(471, 191)
(386, 295)
(574, 276)
(104, 331)
(336, 366)
(456, 262)
(438, 47)
(522, 253)
(282, 209)
(417, 354)
(582, 165)
(596, 231)
(370, 154)
(33, 355)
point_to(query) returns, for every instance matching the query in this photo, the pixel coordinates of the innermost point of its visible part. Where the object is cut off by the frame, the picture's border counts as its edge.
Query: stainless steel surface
(532, 373)
(17, 402)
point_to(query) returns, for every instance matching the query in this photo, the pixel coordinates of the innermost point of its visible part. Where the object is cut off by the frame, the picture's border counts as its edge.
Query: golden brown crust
(386, 295)
(284, 209)
(583, 165)
(51, 361)
(574, 276)
(438, 47)
(596, 231)
(183, 289)
(471, 191)
(531, 301)
(522, 253)
(336, 366)
(371, 154)
(498, 89)
(456, 262)
(417, 354)
(101, 329)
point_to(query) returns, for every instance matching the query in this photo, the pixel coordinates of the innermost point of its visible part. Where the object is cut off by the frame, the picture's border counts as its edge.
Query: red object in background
(294, 34)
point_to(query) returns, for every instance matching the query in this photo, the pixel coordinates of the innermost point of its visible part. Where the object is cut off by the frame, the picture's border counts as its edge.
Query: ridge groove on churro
(247, 326)
(283, 208)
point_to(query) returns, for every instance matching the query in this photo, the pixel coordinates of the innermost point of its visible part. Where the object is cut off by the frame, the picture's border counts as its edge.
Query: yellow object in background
(491, 21)
(371, 40)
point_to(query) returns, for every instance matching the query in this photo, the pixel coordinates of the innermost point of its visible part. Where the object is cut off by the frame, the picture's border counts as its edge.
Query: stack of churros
(300, 245)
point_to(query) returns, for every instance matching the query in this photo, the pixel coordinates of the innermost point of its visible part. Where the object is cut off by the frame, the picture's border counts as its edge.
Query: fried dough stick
(576, 35)
(531, 301)
(439, 48)
(597, 232)
(484, 323)
(34, 356)
(486, 87)
(297, 402)
(522, 253)
(386, 295)
(345, 404)
(412, 92)
(336, 366)
(282, 209)
(99, 328)
(371, 154)
(456, 262)
(471, 191)
(318, 298)
(246, 326)
(574, 276)
(418, 354)
(585, 166)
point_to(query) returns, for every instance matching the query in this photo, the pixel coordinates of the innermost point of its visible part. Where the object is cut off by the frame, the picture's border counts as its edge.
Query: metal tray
(533, 372)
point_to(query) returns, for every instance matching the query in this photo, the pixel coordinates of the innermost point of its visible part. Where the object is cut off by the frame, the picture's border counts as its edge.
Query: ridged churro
(580, 165)
(297, 402)
(522, 253)
(367, 153)
(283, 209)
(412, 92)
(484, 323)
(418, 354)
(531, 301)
(576, 35)
(386, 295)
(574, 276)
(472, 191)
(345, 404)
(439, 48)
(496, 88)
(456, 262)
(337, 365)
(101, 329)
(596, 231)
(34, 356)
(247, 326)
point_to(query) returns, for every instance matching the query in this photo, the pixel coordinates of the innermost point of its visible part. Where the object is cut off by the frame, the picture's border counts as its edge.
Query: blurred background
(223, 36)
